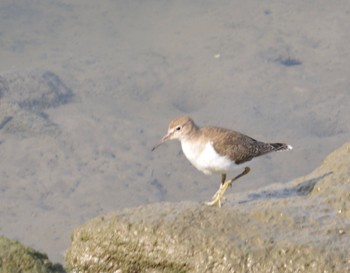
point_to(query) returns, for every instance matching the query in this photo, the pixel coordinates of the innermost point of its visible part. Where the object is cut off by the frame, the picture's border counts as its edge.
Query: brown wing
(240, 148)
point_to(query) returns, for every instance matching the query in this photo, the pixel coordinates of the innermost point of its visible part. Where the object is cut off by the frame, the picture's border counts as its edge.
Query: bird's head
(179, 128)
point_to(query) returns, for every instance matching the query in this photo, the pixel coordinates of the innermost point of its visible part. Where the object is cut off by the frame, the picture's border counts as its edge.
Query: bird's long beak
(165, 138)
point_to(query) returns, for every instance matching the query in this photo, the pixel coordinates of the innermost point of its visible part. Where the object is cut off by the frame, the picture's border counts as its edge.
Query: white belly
(206, 159)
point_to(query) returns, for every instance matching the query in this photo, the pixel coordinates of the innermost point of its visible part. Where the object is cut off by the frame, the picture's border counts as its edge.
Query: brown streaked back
(238, 147)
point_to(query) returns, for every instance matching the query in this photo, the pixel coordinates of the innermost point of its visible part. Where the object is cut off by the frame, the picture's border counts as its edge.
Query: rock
(34, 90)
(23, 123)
(24, 96)
(15, 257)
(301, 226)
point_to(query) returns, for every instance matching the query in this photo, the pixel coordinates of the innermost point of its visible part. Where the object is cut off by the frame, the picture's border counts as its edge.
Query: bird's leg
(223, 178)
(229, 182)
(218, 196)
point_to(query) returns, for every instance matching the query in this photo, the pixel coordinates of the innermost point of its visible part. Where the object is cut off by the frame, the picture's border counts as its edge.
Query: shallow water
(132, 67)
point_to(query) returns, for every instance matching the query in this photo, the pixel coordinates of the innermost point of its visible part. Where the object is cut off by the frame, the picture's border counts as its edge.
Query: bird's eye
(178, 128)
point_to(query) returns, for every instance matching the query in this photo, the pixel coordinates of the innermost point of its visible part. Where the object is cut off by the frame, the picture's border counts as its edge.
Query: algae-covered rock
(17, 258)
(334, 187)
(294, 227)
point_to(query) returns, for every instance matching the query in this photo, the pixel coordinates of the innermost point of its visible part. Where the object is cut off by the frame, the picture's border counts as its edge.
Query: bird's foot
(219, 195)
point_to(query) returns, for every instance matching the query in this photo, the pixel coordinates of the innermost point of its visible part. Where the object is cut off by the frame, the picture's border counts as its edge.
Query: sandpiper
(217, 150)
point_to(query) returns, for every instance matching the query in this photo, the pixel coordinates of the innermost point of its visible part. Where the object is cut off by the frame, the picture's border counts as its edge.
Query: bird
(217, 150)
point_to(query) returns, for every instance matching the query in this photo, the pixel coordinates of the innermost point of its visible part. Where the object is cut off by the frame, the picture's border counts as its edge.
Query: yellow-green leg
(218, 196)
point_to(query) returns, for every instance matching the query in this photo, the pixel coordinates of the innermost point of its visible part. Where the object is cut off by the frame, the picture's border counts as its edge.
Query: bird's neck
(192, 135)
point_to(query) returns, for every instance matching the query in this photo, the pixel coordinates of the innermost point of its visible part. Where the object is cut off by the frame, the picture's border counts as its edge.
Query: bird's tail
(281, 146)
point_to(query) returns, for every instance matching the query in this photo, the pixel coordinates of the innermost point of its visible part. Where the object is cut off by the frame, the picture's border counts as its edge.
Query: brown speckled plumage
(238, 147)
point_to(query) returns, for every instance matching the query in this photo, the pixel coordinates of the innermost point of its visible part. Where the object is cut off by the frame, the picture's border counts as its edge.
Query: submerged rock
(24, 97)
(34, 90)
(24, 123)
(15, 257)
(302, 226)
